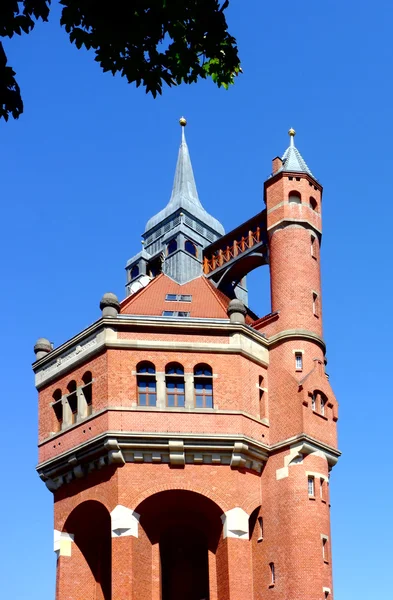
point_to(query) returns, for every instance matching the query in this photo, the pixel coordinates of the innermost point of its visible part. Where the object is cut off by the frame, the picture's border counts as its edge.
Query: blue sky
(93, 158)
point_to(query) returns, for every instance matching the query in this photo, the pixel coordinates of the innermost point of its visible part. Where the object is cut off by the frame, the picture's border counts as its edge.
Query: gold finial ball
(183, 121)
(292, 132)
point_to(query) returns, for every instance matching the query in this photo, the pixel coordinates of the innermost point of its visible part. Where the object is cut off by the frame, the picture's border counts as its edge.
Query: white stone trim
(62, 543)
(125, 522)
(235, 522)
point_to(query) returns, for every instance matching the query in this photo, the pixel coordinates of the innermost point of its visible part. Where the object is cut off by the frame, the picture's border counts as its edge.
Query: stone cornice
(117, 448)
(242, 339)
(296, 334)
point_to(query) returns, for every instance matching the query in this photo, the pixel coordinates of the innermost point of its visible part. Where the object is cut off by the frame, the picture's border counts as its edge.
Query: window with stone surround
(147, 385)
(174, 383)
(325, 548)
(298, 361)
(311, 486)
(203, 386)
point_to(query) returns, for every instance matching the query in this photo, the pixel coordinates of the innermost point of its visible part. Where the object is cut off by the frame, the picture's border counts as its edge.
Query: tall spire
(184, 192)
(292, 160)
(184, 186)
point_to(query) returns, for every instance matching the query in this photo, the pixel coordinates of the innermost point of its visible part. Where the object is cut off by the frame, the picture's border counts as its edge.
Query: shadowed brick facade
(187, 442)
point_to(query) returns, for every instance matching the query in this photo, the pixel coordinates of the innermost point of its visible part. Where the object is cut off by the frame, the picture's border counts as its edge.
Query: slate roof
(184, 194)
(293, 161)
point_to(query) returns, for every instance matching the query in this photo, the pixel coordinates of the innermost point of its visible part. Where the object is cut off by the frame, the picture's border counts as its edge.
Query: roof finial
(183, 121)
(292, 134)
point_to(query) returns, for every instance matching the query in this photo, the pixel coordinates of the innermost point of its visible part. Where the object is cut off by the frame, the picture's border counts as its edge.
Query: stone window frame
(199, 379)
(176, 379)
(147, 377)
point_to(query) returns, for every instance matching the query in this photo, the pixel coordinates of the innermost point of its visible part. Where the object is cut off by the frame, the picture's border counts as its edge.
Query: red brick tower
(188, 443)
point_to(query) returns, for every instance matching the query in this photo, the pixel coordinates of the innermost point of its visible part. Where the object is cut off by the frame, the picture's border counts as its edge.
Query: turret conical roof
(292, 160)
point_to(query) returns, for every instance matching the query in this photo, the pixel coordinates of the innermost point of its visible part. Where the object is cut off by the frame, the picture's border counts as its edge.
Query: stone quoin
(188, 442)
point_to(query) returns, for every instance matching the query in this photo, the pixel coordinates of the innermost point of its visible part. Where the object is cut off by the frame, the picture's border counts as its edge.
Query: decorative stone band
(125, 522)
(235, 522)
(62, 543)
(116, 449)
(298, 450)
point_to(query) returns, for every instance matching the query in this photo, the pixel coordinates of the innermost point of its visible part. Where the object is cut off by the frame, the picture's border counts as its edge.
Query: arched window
(191, 248)
(294, 196)
(134, 272)
(58, 409)
(313, 204)
(72, 399)
(174, 379)
(171, 247)
(203, 385)
(147, 387)
(87, 391)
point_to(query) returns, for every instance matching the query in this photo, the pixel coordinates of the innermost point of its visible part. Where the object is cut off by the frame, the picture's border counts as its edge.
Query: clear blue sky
(92, 158)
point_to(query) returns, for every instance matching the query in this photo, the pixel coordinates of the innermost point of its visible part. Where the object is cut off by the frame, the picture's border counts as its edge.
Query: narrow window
(171, 247)
(58, 409)
(311, 485)
(203, 385)
(134, 272)
(146, 380)
(299, 361)
(315, 304)
(261, 397)
(295, 197)
(191, 248)
(322, 488)
(72, 400)
(313, 204)
(260, 530)
(323, 402)
(325, 549)
(174, 385)
(313, 247)
(313, 401)
(272, 574)
(87, 391)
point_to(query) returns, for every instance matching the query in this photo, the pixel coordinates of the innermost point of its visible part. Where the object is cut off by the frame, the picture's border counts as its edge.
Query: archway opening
(90, 523)
(186, 528)
(184, 564)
